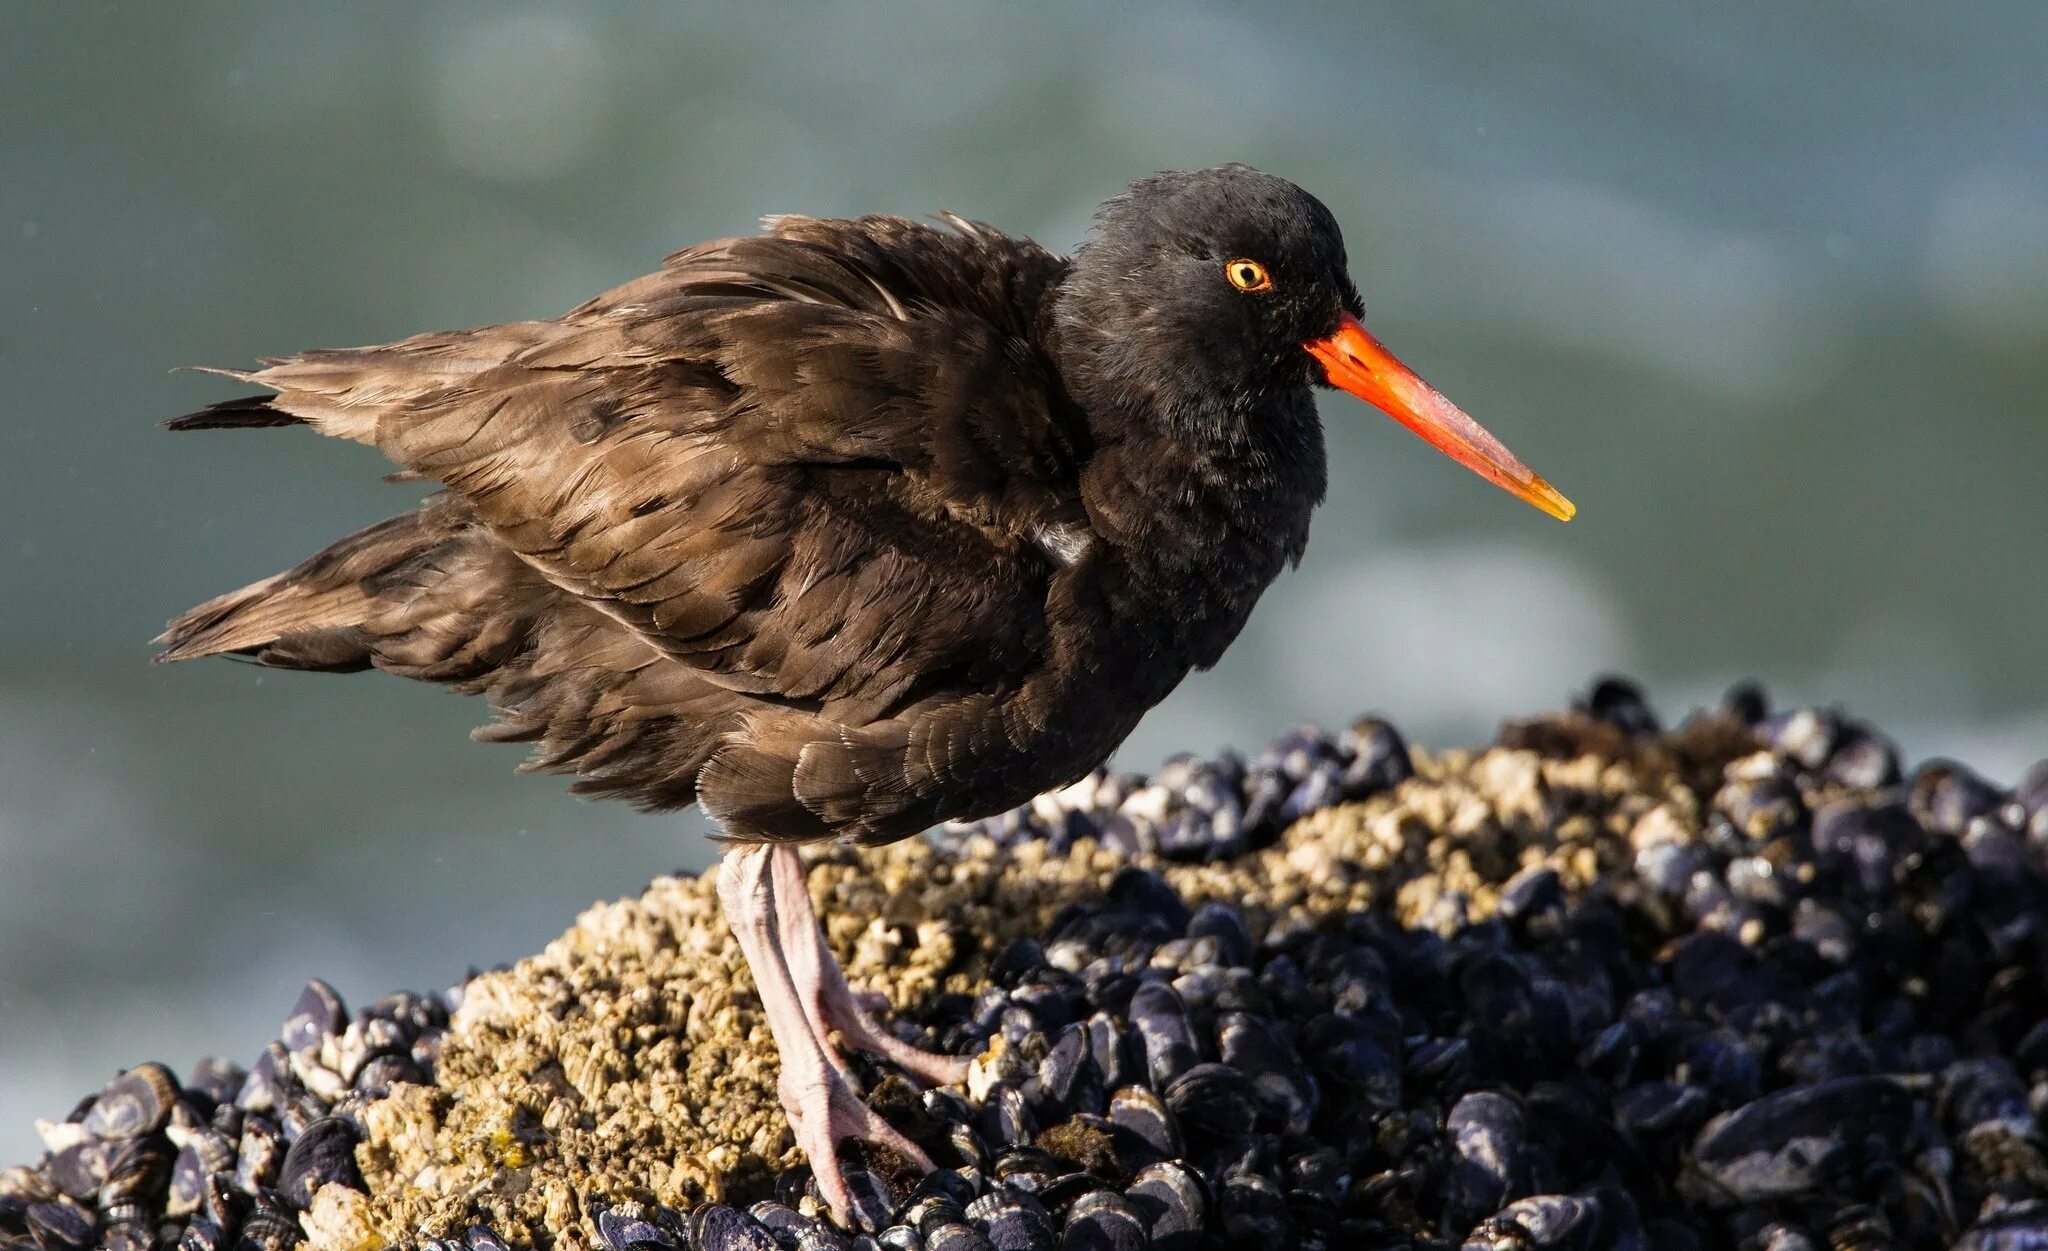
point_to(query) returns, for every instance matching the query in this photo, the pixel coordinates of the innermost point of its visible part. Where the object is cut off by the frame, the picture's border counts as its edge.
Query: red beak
(1354, 361)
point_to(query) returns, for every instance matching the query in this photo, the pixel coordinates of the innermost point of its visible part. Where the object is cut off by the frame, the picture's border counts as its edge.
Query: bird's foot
(805, 995)
(829, 1003)
(929, 1067)
(824, 1110)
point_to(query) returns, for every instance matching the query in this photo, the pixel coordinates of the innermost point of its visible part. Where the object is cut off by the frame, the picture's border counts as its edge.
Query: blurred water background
(1764, 288)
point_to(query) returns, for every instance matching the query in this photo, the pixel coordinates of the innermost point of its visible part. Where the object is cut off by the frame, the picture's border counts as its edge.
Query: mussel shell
(1103, 1220)
(955, 1236)
(1226, 926)
(323, 1154)
(59, 1223)
(1549, 1222)
(79, 1169)
(137, 1171)
(874, 1201)
(1005, 1119)
(718, 1227)
(135, 1104)
(625, 1227)
(271, 1225)
(1490, 1141)
(1254, 1213)
(1662, 1109)
(1174, 1203)
(1117, 1053)
(318, 1014)
(202, 1234)
(1168, 1036)
(1212, 1101)
(1013, 1221)
(1067, 1079)
(188, 1184)
(1283, 1092)
(218, 1079)
(1143, 1127)
(2019, 1227)
(1800, 1140)
(483, 1238)
(1376, 758)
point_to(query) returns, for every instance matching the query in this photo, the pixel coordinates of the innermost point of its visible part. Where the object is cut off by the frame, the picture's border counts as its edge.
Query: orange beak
(1354, 361)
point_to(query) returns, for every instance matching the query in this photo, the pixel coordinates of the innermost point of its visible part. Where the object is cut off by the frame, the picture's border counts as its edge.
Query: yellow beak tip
(1551, 500)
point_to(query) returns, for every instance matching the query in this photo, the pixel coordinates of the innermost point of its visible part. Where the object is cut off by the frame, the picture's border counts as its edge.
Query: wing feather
(808, 467)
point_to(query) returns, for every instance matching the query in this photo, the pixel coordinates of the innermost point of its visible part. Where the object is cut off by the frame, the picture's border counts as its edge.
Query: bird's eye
(1248, 275)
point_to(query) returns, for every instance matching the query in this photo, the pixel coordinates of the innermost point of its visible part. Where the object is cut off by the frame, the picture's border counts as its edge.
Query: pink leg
(821, 1106)
(821, 983)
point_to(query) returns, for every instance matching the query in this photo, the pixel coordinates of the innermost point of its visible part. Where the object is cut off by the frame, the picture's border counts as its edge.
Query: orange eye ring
(1247, 275)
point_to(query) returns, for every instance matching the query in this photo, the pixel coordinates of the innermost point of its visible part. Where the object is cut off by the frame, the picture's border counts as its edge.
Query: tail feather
(313, 616)
(433, 595)
(279, 621)
(249, 412)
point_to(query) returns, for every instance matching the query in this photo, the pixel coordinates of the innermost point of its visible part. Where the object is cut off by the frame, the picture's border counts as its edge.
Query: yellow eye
(1248, 275)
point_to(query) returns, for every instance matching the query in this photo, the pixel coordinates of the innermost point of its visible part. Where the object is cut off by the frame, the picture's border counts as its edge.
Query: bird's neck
(1200, 510)
(1199, 486)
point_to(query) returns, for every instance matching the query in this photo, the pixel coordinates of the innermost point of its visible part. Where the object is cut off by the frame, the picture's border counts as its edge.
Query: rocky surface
(1741, 984)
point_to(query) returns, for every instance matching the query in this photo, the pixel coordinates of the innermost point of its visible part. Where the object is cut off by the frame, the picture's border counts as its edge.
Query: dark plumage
(851, 527)
(784, 528)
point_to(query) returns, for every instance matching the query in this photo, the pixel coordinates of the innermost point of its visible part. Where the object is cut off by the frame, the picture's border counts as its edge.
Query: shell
(874, 1202)
(1377, 758)
(1114, 1049)
(323, 1154)
(1491, 1164)
(1067, 1080)
(317, 1015)
(202, 1234)
(1006, 1118)
(59, 1223)
(1348, 1059)
(1212, 1101)
(1602, 1220)
(2020, 1227)
(1103, 1220)
(1254, 1212)
(135, 1104)
(1800, 1140)
(716, 1227)
(1143, 1126)
(188, 1183)
(1013, 1221)
(270, 1225)
(481, 1238)
(1168, 1036)
(955, 1236)
(137, 1172)
(625, 1228)
(1173, 1202)
(1281, 1089)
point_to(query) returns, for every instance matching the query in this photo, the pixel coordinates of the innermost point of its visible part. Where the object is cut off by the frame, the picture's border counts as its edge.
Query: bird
(843, 530)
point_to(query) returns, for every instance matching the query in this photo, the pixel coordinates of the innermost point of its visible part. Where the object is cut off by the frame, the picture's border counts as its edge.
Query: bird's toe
(824, 1110)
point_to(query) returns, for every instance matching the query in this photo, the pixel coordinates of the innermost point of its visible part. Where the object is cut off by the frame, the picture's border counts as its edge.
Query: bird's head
(1204, 293)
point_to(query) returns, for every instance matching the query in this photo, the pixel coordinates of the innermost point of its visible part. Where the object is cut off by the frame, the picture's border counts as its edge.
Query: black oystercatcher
(845, 529)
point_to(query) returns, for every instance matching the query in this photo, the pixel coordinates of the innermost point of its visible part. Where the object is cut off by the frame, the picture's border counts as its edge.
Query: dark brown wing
(811, 467)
